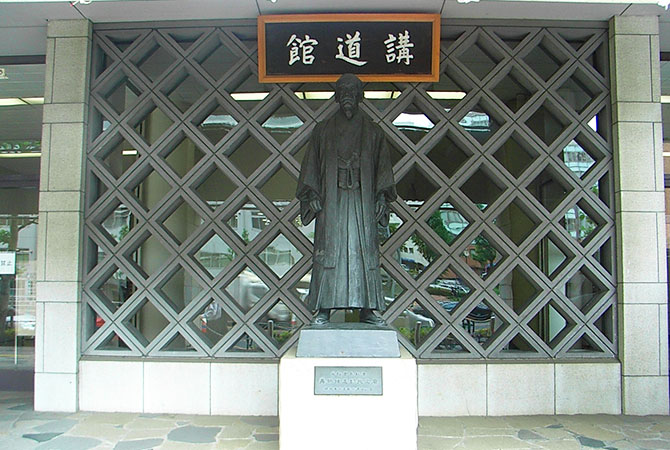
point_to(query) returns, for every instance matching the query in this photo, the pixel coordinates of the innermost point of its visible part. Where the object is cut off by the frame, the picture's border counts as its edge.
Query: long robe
(345, 272)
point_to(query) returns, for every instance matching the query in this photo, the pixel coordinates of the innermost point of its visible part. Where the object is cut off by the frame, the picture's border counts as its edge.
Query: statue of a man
(346, 183)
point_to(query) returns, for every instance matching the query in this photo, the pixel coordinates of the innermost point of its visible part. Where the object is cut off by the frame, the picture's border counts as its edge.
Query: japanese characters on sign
(7, 263)
(379, 47)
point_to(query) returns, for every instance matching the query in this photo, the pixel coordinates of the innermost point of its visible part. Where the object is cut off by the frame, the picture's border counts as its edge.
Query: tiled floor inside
(23, 428)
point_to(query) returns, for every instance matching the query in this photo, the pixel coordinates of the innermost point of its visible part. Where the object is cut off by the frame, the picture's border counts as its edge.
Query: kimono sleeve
(309, 181)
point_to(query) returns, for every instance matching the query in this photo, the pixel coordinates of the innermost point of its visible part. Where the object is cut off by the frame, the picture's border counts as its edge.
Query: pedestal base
(338, 422)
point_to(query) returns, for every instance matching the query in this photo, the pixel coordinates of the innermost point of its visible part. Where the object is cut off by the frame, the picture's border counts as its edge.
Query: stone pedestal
(357, 414)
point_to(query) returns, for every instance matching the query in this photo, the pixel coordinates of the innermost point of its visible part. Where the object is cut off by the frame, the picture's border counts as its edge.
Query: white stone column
(57, 343)
(640, 220)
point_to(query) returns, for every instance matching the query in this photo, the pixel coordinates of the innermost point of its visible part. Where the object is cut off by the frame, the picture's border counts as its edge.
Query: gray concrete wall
(57, 343)
(640, 216)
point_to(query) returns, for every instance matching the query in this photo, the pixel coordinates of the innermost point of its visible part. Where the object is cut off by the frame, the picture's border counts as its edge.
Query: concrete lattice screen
(501, 244)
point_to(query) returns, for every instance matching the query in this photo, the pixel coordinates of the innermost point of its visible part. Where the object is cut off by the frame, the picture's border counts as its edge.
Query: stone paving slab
(21, 428)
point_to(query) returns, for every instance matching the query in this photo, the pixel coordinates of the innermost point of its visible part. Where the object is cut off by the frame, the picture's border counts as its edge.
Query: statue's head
(348, 93)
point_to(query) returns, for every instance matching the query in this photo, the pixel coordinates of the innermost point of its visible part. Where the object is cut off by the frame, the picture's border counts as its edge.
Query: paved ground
(22, 428)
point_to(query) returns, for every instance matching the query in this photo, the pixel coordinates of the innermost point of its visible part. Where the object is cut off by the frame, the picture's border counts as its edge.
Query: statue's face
(348, 96)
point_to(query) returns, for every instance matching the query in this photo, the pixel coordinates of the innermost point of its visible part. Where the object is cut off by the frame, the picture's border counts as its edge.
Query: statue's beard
(348, 108)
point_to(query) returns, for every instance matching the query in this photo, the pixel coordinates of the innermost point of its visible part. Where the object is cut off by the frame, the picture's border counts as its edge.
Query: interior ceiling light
(20, 154)
(665, 98)
(21, 101)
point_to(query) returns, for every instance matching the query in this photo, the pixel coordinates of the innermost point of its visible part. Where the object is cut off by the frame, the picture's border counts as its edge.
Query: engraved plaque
(347, 380)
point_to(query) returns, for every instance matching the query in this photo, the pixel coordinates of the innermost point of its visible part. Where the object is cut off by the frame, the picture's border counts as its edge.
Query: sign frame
(434, 19)
(8, 263)
(372, 379)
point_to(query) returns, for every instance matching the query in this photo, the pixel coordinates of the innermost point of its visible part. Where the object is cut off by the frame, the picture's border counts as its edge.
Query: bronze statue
(346, 183)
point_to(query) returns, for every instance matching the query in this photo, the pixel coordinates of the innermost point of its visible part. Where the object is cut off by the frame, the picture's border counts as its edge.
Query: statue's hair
(350, 77)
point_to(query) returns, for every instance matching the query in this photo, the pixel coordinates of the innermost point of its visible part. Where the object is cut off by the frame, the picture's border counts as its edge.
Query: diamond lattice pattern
(499, 244)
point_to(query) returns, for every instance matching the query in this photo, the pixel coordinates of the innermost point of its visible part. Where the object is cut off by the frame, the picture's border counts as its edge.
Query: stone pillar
(59, 255)
(640, 220)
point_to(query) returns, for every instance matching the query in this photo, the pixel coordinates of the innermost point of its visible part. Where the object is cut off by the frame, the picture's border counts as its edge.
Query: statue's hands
(381, 209)
(315, 205)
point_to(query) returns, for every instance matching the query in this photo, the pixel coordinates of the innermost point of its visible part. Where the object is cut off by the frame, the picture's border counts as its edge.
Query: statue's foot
(369, 316)
(322, 317)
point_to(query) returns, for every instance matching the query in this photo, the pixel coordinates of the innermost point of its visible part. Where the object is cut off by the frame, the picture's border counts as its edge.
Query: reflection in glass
(116, 289)
(178, 343)
(151, 189)
(307, 230)
(447, 155)
(119, 222)
(182, 222)
(245, 345)
(449, 290)
(479, 123)
(547, 124)
(604, 256)
(548, 257)
(279, 323)
(114, 343)
(577, 91)
(301, 287)
(119, 157)
(248, 222)
(579, 224)
(519, 344)
(482, 256)
(605, 323)
(513, 90)
(479, 59)
(481, 189)
(548, 189)
(416, 255)
(415, 188)
(217, 124)
(179, 288)
(583, 290)
(249, 156)
(148, 321)
(543, 61)
(123, 95)
(447, 222)
(217, 59)
(381, 95)
(516, 290)
(516, 223)
(246, 289)
(249, 92)
(214, 255)
(183, 157)
(583, 345)
(282, 123)
(152, 125)
(216, 188)
(280, 255)
(450, 345)
(212, 323)
(184, 91)
(385, 233)
(280, 188)
(149, 255)
(154, 61)
(550, 325)
(413, 123)
(513, 156)
(390, 287)
(416, 323)
(577, 159)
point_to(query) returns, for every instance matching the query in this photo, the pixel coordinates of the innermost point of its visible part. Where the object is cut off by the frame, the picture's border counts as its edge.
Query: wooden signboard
(375, 47)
